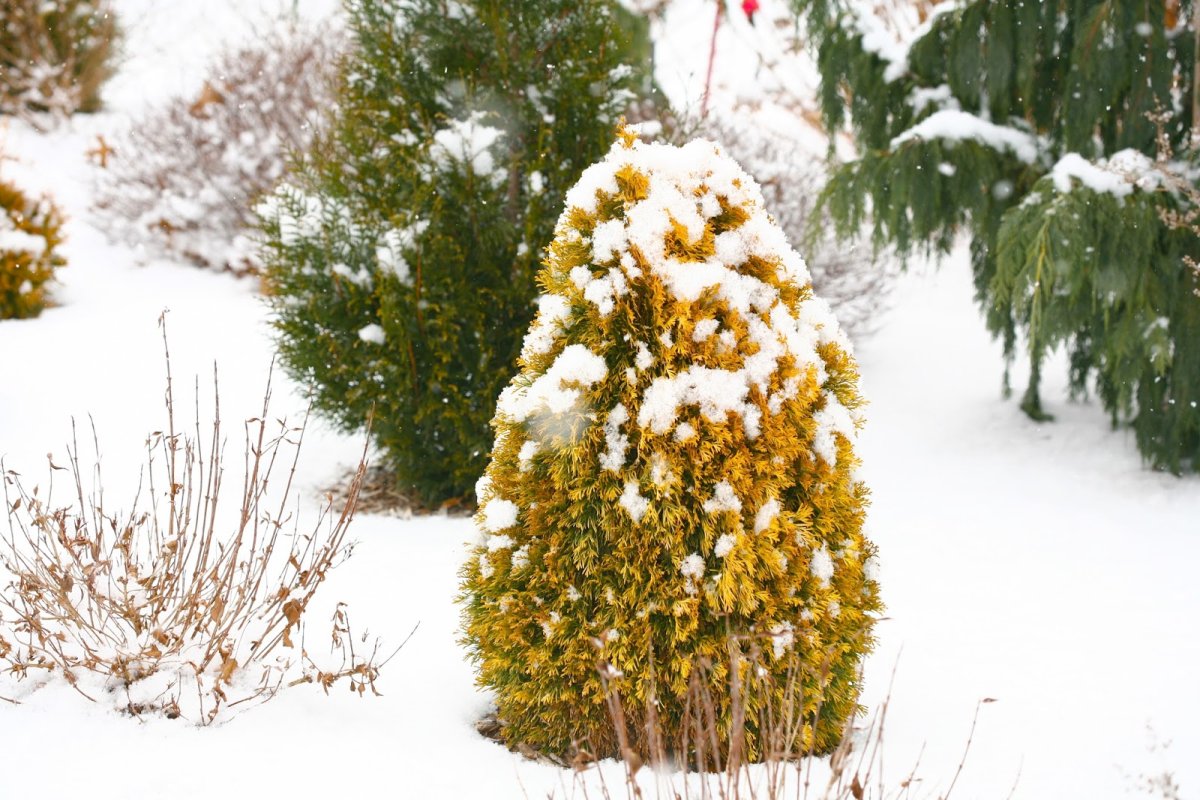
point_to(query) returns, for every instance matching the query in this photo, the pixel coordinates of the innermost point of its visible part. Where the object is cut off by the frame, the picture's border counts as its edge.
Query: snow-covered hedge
(674, 463)
(30, 230)
(183, 179)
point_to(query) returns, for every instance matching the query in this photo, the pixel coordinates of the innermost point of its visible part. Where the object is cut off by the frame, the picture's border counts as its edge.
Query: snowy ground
(1039, 565)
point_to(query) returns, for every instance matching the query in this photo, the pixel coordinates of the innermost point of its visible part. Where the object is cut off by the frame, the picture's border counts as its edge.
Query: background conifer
(402, 255)
(1037, 128)
(673, 464)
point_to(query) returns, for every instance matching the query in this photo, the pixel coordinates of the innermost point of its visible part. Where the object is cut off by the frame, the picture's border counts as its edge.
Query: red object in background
(750, 6)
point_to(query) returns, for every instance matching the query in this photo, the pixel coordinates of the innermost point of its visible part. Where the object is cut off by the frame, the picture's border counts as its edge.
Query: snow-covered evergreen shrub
(674, 463)
(401, 257)
(30, 230)
(184, 177)
(54, 55)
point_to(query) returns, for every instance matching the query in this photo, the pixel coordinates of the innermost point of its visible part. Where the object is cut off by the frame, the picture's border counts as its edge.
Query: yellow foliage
(673, 465)
(29, 234)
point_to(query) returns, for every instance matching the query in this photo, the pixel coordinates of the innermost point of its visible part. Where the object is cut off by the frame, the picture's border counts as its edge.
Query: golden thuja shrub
(30, 230)
(674, 465)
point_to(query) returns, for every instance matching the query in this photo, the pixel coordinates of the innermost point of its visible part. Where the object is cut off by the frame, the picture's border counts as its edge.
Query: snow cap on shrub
(674, 463)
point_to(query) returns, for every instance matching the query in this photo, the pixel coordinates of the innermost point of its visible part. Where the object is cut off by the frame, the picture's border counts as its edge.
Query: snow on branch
(957, 126)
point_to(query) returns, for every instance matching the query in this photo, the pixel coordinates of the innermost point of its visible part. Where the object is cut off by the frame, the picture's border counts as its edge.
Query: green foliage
(673, 464)
(30, 230)
(402, 256)
(1056, 269)
(958, 132)
(55, 55)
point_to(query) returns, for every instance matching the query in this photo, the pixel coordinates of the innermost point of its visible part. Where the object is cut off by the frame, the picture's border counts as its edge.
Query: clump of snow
(871, 568)
(1119, 175)
(644, 358)
(766, 515)
(498, 514)
(468, 142)
(704, 329)
(298, 214)
(782, 638)
(1092, 176)
(372, 333)
(575, 365)
(15, 240)
(500, 542)
(879, 41)
(952, 125)
(633, 502)
(609, 241)
(716, 391)
(692, 568)
(833, 418)
(821, 565)
(724, 545)
(601, 291)
(553, 311)
(393, 244)
(893, 48)
(360, 278)
(526, 454)
(616, 443)
(684, 431)
(723, 499)
(940, 97)
(482, 486)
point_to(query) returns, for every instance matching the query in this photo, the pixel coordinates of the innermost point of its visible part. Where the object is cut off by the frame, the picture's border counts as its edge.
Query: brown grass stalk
(709, 764)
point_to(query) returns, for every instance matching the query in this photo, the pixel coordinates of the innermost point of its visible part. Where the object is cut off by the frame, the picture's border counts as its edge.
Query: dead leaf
(228, 667)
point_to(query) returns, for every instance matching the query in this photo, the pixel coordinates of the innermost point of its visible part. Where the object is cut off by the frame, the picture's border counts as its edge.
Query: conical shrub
(674, 464)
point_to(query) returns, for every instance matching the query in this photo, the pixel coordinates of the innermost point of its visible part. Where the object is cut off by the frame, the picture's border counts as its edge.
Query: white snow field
(1039, 565)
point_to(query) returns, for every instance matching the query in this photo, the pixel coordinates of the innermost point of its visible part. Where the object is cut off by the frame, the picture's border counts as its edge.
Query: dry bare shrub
(855, 281)
(155, 608)
(54, 56)
(359, 666)
(183, 179)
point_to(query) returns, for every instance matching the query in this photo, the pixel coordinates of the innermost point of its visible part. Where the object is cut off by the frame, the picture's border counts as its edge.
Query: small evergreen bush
(55, 55)
(673, 464)
(30, 230)
(183, 179)
(401, 257)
